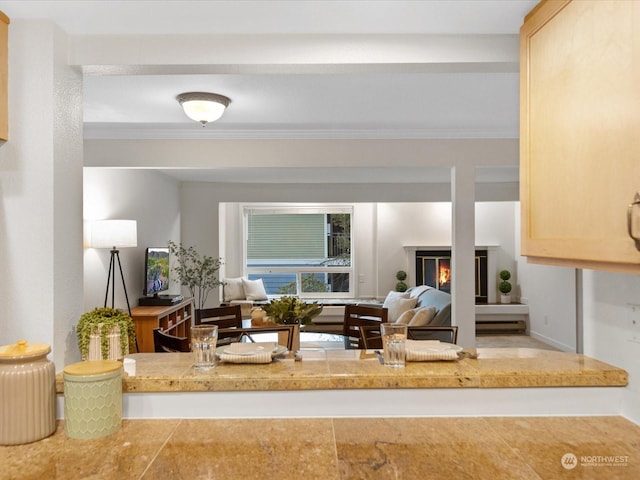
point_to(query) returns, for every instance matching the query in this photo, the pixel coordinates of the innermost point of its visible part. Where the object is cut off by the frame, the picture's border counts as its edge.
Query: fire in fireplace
(433, 268)
(444, 274)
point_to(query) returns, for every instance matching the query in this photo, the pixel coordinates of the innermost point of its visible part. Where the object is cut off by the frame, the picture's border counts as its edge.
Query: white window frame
(324, 208)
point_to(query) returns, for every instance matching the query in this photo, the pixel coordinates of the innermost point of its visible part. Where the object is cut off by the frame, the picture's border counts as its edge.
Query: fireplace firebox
(433, 268)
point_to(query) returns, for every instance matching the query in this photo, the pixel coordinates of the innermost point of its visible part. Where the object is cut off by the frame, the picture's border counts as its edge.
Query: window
(303, 251)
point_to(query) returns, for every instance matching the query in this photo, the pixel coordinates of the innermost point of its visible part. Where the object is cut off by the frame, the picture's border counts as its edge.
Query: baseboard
(552, 342)
(631, 405)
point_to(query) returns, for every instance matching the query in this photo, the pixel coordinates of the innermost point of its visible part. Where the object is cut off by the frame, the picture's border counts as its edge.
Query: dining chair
(370, 336)
(224, 317)
(357, 316)
(164, 342)
(447, 334)
(283, 334)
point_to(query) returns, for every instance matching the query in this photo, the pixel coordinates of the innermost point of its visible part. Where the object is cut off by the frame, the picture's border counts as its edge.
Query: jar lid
(92, 367)
(23, 349)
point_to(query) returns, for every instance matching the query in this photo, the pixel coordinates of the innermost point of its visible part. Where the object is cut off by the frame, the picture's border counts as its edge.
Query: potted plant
(198, 273)
(401, 276)
(504, 286)
(105, 334)
(291, 310)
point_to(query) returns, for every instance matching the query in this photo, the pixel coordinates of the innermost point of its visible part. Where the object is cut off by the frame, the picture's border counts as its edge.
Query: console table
(174, 319)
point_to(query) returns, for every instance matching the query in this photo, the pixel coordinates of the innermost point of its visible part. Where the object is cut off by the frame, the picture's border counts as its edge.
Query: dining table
(309, 340)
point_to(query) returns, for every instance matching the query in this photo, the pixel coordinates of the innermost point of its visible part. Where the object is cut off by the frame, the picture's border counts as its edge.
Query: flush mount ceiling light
(203, 107)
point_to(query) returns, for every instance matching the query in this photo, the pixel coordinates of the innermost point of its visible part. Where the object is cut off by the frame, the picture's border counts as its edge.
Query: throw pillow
(417, 317)
(397, 305)
(423, 317)
(254, 289)
(407, 316)
(393, 295)
(233, 289)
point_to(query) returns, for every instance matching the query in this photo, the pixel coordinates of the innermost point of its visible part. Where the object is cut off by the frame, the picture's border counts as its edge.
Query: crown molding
(179, 132)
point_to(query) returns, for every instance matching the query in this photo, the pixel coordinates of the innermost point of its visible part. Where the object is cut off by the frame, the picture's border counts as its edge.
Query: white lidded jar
(27, 393)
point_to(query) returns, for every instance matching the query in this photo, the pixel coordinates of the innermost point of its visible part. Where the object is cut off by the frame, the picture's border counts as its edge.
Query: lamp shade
(114, 233)
(203, 107)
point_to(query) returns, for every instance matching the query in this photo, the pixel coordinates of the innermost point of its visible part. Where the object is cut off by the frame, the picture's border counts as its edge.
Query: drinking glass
(394, 341)
(203, 346)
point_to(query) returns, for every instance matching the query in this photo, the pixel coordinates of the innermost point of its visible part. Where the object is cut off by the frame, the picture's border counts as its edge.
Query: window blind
(286, 236)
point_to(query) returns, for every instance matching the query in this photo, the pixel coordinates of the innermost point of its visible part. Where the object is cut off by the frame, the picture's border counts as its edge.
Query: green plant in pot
(105, 325)
(291, 310)
(504, 286)
(198, 273)
(401, 276)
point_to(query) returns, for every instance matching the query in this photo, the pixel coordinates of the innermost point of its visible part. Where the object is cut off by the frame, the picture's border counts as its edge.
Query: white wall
(404, 224)
(41, 182)
(612, 328)
(149, 197)
(429, 224)
(551, 295)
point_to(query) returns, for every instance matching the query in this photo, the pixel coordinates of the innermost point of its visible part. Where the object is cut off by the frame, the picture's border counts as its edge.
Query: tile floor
(340, 448)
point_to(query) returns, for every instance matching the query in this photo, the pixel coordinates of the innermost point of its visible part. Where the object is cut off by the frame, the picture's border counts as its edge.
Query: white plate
(432, 346)
(238, 348)
(278, 350)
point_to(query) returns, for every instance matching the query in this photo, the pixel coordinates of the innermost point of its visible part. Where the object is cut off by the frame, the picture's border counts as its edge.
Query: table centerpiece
(289, 310)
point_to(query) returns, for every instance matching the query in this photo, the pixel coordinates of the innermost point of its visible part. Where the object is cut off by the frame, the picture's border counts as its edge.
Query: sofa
(432, 297)
(251, 293)
(419, 306)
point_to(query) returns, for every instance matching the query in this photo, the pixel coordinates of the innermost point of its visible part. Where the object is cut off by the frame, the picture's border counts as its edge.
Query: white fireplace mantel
(491, 264)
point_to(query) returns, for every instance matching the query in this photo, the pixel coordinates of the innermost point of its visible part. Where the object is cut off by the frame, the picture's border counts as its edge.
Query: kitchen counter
(497, 448)
(352, 383)
(359, 369)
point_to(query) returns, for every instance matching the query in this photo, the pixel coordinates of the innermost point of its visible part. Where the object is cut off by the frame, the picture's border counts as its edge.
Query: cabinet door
(4, 76)
(580, 132)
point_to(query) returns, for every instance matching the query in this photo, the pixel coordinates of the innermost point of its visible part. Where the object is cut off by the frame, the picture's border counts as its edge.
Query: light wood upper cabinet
(4, 77)
(580, 133)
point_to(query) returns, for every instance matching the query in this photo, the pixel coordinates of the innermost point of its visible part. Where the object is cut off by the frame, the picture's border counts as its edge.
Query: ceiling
(396, 100)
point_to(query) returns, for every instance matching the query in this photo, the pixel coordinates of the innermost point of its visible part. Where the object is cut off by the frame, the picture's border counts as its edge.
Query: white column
(41, 183)
(463, 253)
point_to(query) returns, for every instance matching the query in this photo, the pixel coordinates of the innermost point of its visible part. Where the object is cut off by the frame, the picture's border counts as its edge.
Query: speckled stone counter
(352, 383)
(496, 448)
(356, 369)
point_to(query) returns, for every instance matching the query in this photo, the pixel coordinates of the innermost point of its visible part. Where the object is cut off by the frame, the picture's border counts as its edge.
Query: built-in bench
(502, 318)
(495, 318)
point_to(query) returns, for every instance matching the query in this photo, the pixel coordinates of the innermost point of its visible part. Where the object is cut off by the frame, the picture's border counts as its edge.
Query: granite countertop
(359, 369)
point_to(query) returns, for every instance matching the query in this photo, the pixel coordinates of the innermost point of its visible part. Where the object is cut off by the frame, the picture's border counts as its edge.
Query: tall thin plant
(198, 273)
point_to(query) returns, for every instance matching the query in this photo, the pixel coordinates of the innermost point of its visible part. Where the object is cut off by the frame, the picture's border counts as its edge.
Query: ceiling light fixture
(203, 107)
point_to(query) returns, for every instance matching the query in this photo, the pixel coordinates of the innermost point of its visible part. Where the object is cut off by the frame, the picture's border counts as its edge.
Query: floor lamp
(114, 234)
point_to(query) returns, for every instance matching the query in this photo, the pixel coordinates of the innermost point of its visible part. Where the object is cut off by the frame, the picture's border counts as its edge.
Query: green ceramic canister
(92, 398)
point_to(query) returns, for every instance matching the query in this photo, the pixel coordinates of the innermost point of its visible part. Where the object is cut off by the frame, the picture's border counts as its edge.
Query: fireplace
(433, 268)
